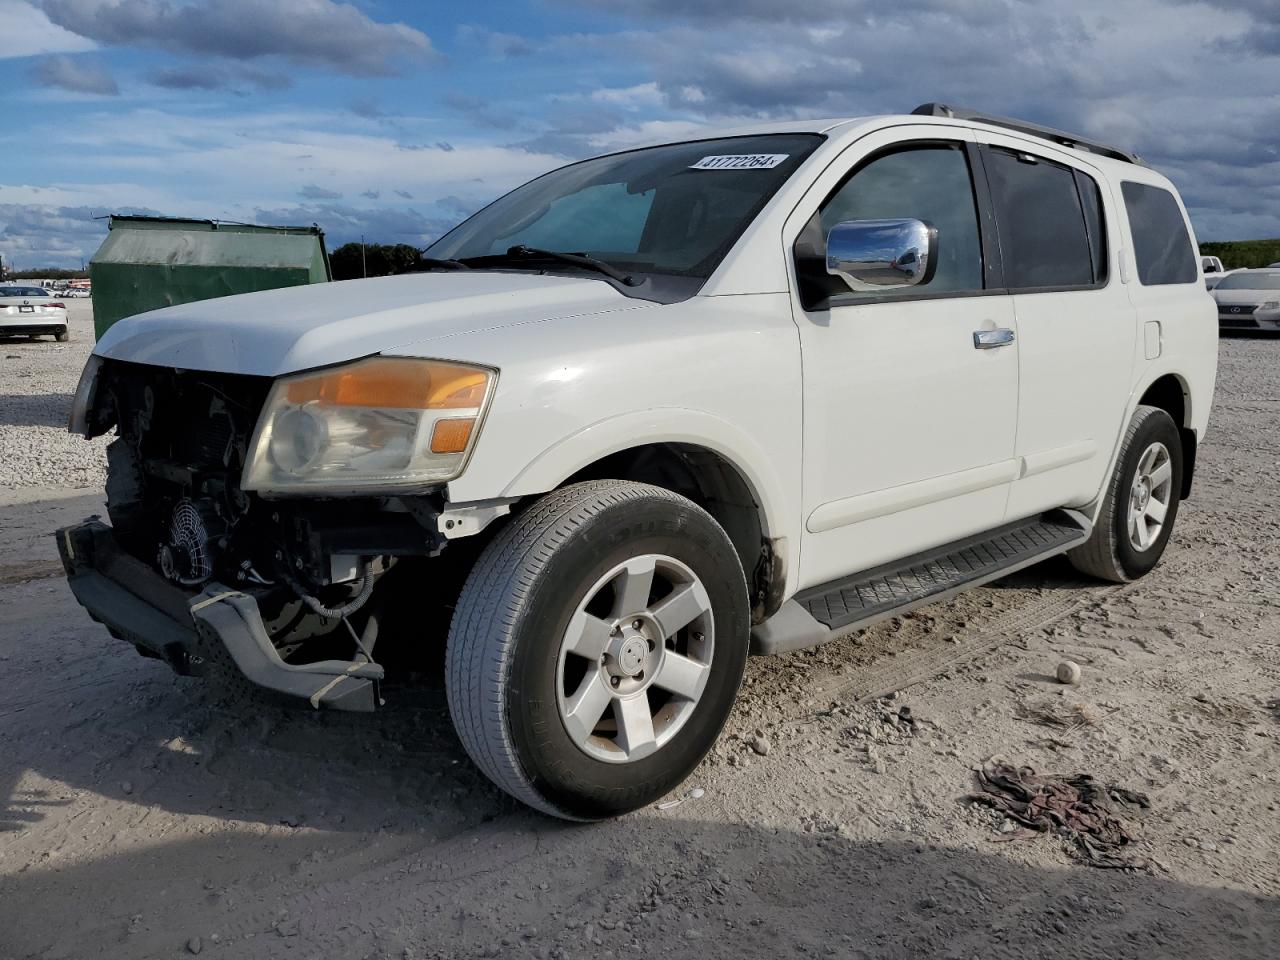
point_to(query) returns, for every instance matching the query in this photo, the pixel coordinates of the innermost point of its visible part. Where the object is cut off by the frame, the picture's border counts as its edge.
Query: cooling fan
(186, 558)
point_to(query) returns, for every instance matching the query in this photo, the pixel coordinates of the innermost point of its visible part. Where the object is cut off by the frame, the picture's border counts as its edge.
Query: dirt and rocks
(37, 380)
(141, 816)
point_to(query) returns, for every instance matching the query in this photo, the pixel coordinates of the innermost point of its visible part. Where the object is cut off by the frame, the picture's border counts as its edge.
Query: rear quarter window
(1161, 244)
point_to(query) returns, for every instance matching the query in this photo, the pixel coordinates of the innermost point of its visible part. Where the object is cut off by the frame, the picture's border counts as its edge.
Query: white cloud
(28, 33)
(103, 197)
(258, 159)
(648, 132)
(76, 75)
(633, 98)
(257, 168)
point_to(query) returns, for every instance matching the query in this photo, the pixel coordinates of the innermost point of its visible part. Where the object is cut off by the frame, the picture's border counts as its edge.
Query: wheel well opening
(714, 484)
(1170, 395)
(1167, 394)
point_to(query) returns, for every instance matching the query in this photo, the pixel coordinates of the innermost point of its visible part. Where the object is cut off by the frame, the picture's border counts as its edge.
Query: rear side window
(1161, 244)
(1045, 229)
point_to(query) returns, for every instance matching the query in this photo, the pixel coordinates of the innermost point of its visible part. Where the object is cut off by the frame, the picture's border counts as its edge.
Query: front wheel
(1141, 503)
(597, 648)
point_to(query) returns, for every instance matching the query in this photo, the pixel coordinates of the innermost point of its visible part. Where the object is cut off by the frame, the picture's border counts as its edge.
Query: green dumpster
(151, 262)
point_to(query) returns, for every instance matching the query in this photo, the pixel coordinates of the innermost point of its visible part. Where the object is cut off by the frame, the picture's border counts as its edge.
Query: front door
(909, 425)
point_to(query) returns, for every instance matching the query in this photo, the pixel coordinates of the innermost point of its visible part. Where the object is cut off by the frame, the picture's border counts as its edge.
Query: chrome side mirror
(872, 255)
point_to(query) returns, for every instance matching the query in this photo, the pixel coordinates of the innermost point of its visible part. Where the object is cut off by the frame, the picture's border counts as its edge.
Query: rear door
(1058, 229)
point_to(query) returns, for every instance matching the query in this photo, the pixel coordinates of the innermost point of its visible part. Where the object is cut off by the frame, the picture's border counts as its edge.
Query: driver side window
(930, 183)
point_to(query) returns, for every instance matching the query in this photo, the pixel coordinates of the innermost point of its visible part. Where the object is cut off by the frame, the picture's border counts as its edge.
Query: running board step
(832, 609)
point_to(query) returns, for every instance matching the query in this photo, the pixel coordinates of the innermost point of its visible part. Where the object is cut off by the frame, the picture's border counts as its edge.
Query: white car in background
(32, 311)
(1249, 300)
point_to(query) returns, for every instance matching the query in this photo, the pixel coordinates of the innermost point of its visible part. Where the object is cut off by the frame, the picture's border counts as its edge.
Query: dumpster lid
(175, 241)
(145, 222)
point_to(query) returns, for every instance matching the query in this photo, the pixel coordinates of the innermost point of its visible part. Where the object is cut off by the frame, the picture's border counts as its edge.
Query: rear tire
(1141, 503)
(62, 337)
(544, 629)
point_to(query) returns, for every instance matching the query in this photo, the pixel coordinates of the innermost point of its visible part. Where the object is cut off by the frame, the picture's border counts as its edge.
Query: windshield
(1250, 281)
(23, 292)
(674, 209)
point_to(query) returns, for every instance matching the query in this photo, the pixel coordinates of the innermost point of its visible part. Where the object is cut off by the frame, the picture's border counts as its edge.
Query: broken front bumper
(217, 633)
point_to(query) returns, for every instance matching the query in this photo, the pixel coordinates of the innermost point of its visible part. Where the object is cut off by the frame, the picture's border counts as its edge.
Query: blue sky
(396, 119)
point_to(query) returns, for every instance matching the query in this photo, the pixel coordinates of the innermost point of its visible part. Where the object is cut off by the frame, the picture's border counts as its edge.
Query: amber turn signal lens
(394, 383)
(451, 436)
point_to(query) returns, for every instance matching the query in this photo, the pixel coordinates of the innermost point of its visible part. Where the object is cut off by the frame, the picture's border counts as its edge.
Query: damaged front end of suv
(253, 519)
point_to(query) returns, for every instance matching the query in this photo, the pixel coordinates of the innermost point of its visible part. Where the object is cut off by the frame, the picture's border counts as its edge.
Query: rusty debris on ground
(1072, 805)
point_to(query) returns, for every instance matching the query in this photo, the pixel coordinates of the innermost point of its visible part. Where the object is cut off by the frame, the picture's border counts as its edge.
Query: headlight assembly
(382, 424)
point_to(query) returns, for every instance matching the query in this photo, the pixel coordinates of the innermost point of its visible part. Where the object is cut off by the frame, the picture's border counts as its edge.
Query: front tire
(1141, 503)
(597, 648)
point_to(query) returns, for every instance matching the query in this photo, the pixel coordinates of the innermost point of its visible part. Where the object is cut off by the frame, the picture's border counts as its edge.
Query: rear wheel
(63, 336)
(1141, 503)
(597, 648)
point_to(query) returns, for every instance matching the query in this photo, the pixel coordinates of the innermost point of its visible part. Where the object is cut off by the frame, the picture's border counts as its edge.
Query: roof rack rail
(1060, 137)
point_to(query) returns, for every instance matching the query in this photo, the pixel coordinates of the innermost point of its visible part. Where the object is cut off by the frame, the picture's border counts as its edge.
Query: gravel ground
(142, 816)
(37, 380)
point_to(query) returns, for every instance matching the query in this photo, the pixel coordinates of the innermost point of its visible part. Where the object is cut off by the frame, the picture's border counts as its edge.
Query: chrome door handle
(990, 339)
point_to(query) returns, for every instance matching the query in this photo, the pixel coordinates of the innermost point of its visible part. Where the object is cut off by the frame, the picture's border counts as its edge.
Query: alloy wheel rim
(1150, 496)
(635, 659)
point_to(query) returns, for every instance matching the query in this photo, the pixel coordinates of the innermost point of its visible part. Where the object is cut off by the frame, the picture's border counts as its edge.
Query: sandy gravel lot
(37, 379)
(142, 817)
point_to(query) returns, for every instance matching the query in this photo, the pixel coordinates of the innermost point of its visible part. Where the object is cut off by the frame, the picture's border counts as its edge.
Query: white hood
(297, 328)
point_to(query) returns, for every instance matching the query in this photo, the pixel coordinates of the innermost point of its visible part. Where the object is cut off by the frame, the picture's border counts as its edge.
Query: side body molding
(880, 503)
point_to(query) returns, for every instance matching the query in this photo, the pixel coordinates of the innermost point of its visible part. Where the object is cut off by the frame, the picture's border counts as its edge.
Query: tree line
(354, 260)
(47, 273)
(1236, 254)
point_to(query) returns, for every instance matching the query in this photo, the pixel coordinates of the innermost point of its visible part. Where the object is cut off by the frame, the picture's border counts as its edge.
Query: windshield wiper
(431, 263)
(521, 252)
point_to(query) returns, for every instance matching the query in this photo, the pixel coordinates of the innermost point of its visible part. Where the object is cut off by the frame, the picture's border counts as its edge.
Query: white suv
(647, 413)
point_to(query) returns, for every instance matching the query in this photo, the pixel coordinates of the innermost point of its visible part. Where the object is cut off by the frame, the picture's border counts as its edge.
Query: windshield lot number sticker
(742, 161)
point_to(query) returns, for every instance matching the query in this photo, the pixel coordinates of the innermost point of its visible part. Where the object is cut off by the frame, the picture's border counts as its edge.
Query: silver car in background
(32, 311)
(1249, 300)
